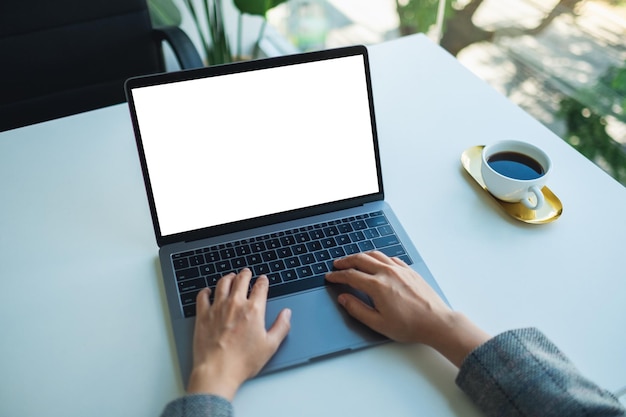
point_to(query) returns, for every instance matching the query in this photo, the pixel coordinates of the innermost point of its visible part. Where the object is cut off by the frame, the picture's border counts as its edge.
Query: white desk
(82, 312)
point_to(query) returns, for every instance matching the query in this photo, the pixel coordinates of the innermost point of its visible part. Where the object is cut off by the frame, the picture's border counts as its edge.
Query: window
(563, 61)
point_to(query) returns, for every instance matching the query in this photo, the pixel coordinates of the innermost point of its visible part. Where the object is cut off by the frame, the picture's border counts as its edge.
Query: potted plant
(208, 18)
(255, 8)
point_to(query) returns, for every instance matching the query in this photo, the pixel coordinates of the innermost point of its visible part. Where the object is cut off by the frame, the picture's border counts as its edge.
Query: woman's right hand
(406, 308)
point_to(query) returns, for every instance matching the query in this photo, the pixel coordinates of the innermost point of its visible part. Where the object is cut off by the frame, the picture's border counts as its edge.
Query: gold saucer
(549, 212)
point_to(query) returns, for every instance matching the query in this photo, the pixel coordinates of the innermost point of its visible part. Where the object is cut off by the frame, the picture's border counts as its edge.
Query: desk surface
(82, 308)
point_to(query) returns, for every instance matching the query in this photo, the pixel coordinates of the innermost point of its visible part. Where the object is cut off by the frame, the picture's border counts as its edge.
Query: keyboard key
(189, 297)
(196, 260)
(277, 265)
(331, 231)
(269, 256)
(228, 253)
(211, 280)
(284, 252)
(180, 263)
(207, 269)
(314, 246)
(357, 236)
(331, 265)
(406, 259)
(329, 242)
(292, 262)
(243, 250)
(223, 266)
(343, 240)
(287, 240)
(261, 269)
(376, 221)
(254, 259)
(385, 230)
(274, 278)
(392, 251)
(257, 247)
(212, 256)
(389, 240)
(316, 234)
(187, 273)
(319, 268)
(322, 255)
(307, 258)
(351, 249)
(191, 284)
(273, 243)
(299, 249)
(288, 275)
(371, 233)
(239, 263)
(304, 272)
(189, 310)
(366, 246)
(345, 228)
(359, 225)
(337, 252)
(183, 255)
(302, 237)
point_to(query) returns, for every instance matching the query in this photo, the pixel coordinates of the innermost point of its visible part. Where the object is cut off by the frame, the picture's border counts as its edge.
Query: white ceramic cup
(511, 176)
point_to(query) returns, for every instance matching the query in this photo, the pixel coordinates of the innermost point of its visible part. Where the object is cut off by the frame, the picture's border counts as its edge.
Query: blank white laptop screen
(239, 146)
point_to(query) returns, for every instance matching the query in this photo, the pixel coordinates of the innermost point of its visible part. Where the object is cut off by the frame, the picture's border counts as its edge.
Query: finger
(258, 294)
(399, 261)
(280, 328)
(222, 289)
(381, 257)
(352, 277)
(202, 301)
(361, 311)
(364, 262)
(241, 283)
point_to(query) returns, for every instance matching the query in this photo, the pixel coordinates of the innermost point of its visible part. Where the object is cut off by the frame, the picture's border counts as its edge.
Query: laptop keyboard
(293, 260)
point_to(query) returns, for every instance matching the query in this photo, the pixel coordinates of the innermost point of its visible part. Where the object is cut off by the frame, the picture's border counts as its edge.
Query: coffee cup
(515, 171)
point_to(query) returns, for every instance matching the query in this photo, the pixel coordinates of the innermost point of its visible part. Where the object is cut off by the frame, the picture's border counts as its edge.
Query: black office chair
(61, 57)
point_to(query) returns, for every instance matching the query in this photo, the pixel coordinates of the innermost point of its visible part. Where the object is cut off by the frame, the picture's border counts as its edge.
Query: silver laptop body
(247, 165)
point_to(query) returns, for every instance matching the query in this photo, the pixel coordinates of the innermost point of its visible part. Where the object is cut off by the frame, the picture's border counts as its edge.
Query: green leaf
(257, 7)
(164, 13)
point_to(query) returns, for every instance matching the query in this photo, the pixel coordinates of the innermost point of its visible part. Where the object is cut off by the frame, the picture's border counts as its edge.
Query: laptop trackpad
(320, 327)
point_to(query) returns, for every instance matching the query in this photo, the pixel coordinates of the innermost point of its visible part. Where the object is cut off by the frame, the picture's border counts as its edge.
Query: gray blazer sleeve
(522, 373)
(199, 405)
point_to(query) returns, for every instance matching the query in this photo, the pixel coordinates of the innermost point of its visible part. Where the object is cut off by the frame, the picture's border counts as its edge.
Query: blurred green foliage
(164, 13)
(208, 18)
(586, 117)
(420, 16)
(586, 114)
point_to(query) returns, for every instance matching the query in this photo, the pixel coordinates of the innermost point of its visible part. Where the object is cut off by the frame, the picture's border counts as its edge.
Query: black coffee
(515, 165)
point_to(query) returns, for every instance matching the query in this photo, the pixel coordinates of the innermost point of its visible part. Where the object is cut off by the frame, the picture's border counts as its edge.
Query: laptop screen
(243, 145)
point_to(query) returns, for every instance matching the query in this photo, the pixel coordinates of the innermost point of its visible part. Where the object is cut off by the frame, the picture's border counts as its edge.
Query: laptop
(273, 165)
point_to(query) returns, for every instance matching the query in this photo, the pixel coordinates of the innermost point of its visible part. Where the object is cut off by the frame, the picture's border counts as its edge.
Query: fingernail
(342, 299)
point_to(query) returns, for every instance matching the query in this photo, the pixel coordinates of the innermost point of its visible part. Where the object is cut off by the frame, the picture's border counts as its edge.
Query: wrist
(206, 381)
(458, 338)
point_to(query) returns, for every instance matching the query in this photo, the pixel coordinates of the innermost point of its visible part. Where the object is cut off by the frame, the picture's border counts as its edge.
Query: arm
(518, 373)
(230, 345)
(522, 372)
(199, 405)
